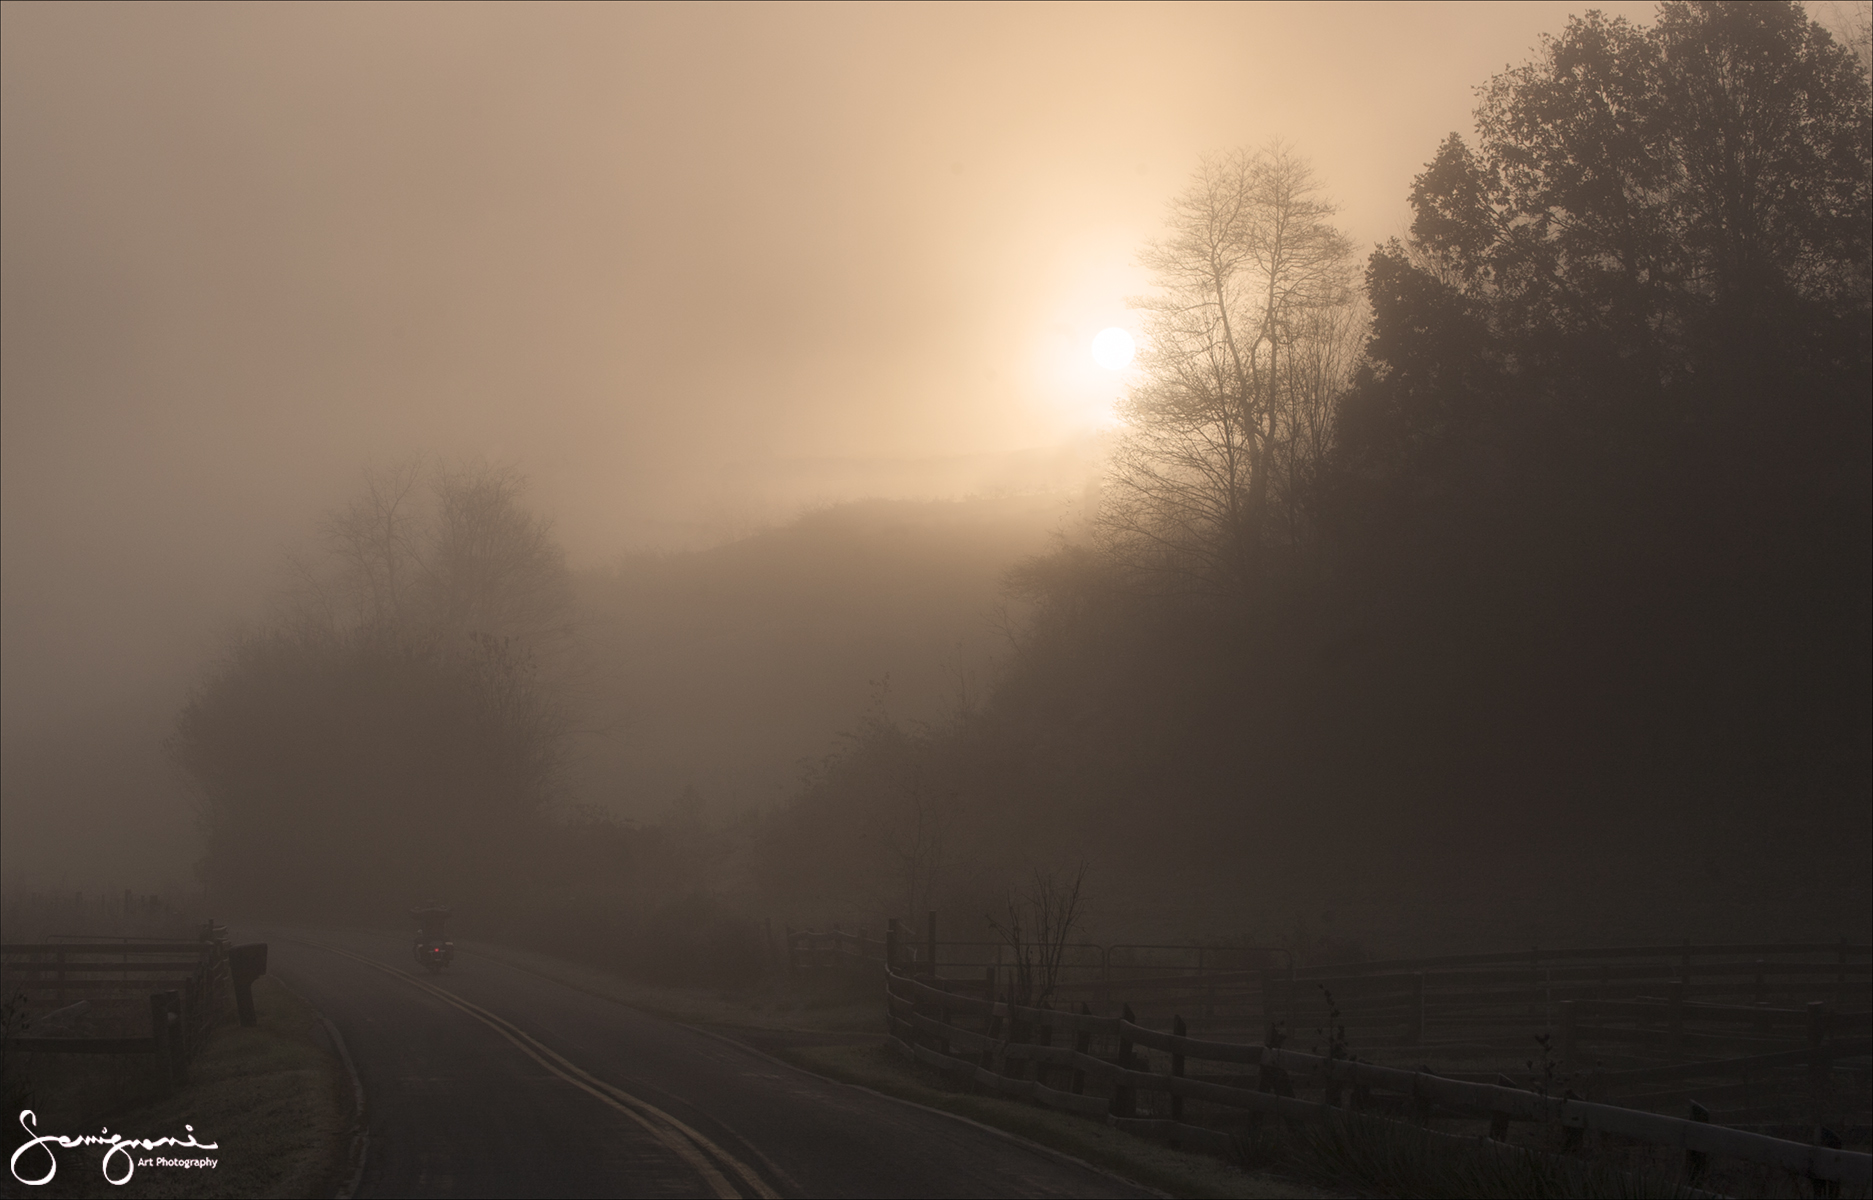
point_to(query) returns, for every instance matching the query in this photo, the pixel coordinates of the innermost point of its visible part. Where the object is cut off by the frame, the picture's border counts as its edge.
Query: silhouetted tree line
(1575, 549)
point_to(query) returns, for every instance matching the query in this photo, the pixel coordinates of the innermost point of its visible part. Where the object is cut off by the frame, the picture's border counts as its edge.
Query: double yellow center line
(707, 1159)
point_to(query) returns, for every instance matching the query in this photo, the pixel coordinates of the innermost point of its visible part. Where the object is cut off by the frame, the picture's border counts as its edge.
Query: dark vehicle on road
(433, 949)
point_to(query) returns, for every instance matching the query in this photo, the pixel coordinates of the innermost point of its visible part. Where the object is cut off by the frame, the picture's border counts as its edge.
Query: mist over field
(635, 469)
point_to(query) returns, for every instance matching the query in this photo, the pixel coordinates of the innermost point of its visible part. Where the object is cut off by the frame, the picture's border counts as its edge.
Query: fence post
(1179, 1029)
(930, 965)
(1534, 976)
(1820, 1062)
(160, 1036)
(1125, 1097)
(1082, 1044)
(1499, 1121)
(988, 1023)
(1674, 1021)
(1694, 1162)
(1417, 1008)
(994, 1025)
(1567, 1034)
(247, 963)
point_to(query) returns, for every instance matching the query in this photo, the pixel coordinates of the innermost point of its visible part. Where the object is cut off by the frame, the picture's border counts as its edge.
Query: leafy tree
(1611, 429)
(390, 737)
(1645, 204)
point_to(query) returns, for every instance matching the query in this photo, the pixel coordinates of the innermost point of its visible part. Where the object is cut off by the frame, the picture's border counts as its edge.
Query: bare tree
(1249, 278)
(375, 544)
(1039, 930)
(916, 837)
(438, 553)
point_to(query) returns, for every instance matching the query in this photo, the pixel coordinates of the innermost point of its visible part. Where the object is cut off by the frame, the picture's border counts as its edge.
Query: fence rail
(1014, 1054)
(184, 985)
(1777, 1031)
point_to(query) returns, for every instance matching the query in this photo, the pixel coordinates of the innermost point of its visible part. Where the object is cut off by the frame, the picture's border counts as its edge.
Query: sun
(1113, 349)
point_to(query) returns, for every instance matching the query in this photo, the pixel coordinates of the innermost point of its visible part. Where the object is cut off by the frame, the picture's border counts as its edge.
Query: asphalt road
(489, 1080)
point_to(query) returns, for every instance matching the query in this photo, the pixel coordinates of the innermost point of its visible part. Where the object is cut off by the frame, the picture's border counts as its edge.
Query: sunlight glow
(1112, 348)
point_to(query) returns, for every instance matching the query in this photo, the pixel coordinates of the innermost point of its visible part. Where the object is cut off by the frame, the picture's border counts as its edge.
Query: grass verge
(273, 1098)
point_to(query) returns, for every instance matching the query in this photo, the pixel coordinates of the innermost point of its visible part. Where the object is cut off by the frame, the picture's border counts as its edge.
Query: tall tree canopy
(390, 736)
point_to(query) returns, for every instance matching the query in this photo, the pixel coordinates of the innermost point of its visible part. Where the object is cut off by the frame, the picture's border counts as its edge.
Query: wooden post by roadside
(1820, 1062)
(1674, 1021)
(930, 961)
(166, 1028)
(1179, 1029)
(1695, 1163)
(160, 1035)
(989, 1026)
(1499, 1121)
(1082, 1044)
(994, 1025)
(1534, 976)
(1125, 1097)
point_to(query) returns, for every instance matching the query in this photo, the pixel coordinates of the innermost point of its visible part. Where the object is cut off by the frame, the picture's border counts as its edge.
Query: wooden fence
(1768, 1040)
(1145, 1082)
(92, 996)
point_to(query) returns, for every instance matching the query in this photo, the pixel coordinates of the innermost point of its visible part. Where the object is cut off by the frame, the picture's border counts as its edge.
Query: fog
(692, 271)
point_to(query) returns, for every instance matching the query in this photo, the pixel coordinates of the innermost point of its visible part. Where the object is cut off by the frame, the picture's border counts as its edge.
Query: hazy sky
(678, 263)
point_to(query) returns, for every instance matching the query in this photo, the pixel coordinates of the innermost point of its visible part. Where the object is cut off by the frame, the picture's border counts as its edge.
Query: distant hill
(727, 670)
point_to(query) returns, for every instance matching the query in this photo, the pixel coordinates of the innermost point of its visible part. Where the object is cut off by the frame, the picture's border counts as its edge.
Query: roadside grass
(1393, 1159)
(273, 1098)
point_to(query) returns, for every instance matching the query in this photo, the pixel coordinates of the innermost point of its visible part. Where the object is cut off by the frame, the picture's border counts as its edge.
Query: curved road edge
(1006, 1135)
(359, 1143)
(516, 963)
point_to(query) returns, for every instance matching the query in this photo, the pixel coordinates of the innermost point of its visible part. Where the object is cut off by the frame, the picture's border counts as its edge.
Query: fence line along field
(154, 998)
(1764, 1048)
